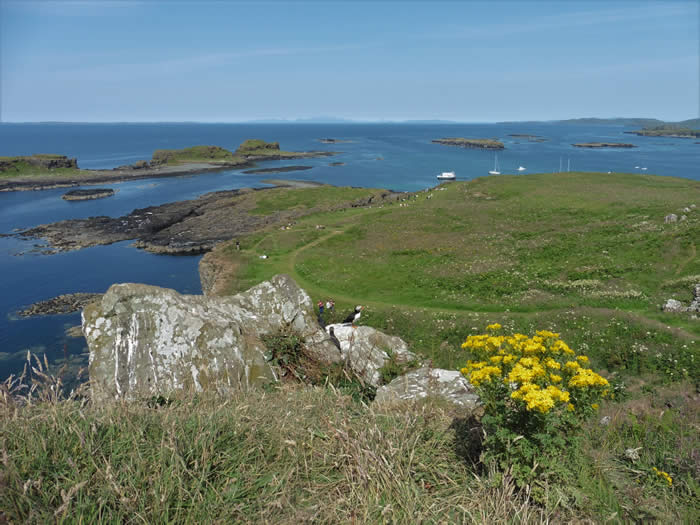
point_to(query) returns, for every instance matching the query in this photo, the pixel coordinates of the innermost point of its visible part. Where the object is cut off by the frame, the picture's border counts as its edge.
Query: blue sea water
(395, 156)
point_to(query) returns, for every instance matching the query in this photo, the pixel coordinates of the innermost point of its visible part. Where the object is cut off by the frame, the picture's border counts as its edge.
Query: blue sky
(160, 60)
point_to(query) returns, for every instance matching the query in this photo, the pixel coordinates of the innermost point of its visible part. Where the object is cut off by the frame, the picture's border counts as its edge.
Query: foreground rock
(367, 350)
(62, 304)
(424, 382)
(84, 195)
(146, 341)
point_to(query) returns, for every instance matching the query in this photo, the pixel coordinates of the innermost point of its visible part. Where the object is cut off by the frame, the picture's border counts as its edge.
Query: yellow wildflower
(493, 327)
(585, 377)
(668, 479)
(551, 363)
(570, 407)
(582, 358)
(484, 375)
(595, 406)
(555, 378)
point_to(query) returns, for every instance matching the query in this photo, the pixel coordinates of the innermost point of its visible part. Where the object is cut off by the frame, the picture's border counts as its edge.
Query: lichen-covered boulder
(673, 305)
(366, 350)
(145, 340)
(424, 382)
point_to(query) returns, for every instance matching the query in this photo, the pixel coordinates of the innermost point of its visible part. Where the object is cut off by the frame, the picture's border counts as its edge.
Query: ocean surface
(400, 157)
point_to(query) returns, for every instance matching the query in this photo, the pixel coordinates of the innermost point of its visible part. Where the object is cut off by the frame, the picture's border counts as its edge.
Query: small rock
(686, 209)
(605, 421)
(672, 217)
(367, 350)
(672, 305)
(683, 217)
(632, 453)
(424, 382)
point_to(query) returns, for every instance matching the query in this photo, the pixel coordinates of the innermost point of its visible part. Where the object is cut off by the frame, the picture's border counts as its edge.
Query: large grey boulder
(424, 382)
(366, 350)
(145, 340)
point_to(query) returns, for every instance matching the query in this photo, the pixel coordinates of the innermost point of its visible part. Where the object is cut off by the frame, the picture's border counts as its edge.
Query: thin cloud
(568, 20)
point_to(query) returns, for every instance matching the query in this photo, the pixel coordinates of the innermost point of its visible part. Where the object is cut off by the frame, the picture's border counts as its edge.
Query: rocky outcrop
(424, 382)
(367, 350)
(62, 304)
(145, 340)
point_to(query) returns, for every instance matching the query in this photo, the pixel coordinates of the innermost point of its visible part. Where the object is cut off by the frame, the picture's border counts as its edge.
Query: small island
(84, 195)
(42, 171)
(603, 145)
(470, 143)
(336, 164)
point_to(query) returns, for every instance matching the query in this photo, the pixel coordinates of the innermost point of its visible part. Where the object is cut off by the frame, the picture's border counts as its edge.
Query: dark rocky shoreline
(188, 227)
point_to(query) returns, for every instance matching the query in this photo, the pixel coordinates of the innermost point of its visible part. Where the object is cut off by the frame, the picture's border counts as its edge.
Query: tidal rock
(672, 305)
(671, 217)
(366, 350)
(450, 385)
(83, 195)
(145, 340)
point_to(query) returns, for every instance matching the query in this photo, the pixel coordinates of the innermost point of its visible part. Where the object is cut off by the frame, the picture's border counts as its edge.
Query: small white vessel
(447, 175)
(636, 167)
(495, 171)
(521, 168)
(644, 169)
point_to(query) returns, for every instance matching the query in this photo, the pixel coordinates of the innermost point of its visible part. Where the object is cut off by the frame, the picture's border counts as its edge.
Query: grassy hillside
(586, 255)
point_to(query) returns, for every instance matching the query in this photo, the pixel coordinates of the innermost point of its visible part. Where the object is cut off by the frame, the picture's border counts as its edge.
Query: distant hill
(642, 122)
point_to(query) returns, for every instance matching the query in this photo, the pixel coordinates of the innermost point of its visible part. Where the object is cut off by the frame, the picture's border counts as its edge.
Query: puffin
(353, 317)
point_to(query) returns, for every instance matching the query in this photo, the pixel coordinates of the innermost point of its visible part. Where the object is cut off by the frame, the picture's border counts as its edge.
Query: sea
(399, 157)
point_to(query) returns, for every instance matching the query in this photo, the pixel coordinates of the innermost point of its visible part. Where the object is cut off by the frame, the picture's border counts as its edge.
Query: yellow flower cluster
(664, 475)
(525, 367)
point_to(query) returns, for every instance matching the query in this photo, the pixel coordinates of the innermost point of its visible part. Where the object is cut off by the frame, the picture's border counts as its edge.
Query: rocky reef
(62, 304)
(84, 195)
(603, 145)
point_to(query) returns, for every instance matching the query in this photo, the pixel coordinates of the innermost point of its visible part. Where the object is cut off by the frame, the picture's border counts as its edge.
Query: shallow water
(398, 157)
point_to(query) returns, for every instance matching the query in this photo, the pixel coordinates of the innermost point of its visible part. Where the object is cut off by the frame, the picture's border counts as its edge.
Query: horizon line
(330, 120)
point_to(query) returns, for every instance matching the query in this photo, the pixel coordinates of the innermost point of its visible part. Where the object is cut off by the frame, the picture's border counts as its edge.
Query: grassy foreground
(585, 255)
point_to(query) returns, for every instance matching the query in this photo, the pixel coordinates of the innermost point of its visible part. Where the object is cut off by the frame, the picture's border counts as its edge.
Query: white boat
(644, 169)
(495, 171)
(447, 175)
(521, 168)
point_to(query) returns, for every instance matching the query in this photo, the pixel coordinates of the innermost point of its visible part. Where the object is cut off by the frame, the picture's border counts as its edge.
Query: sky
(231, 61)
